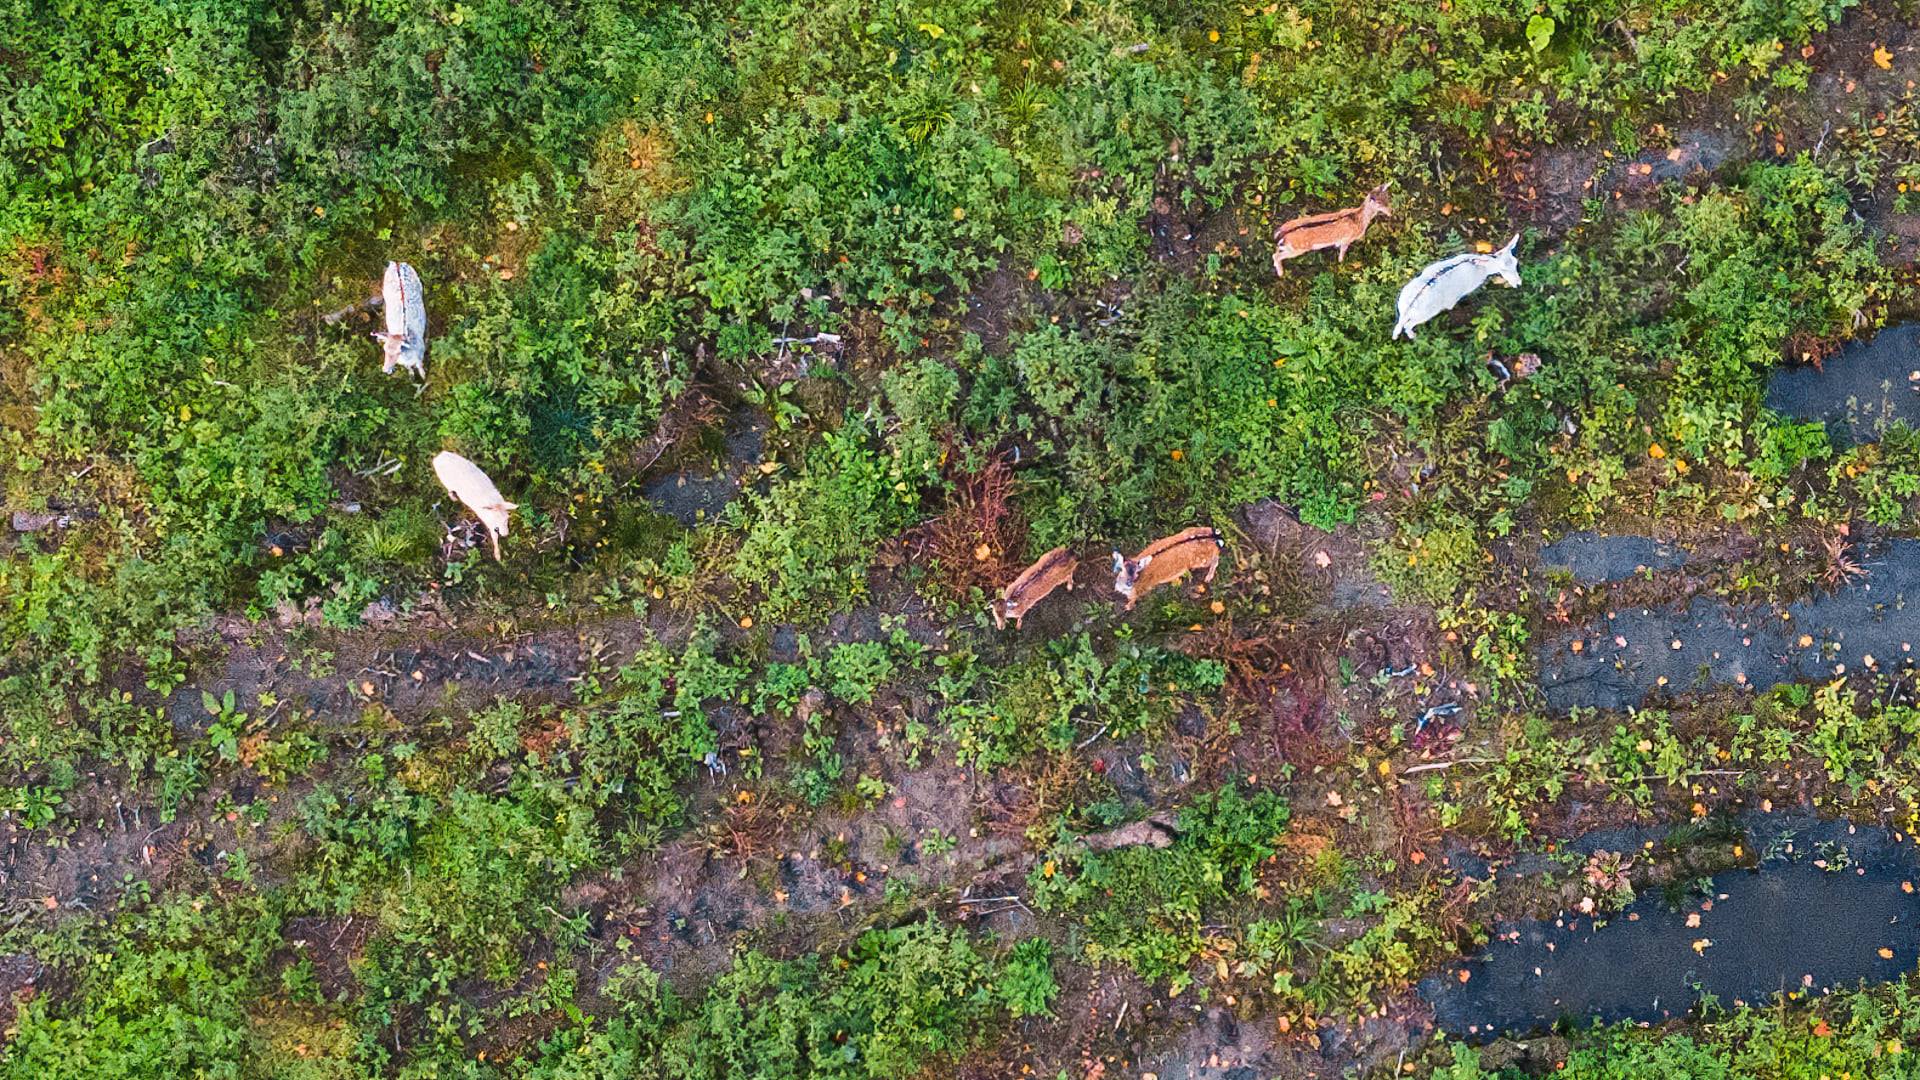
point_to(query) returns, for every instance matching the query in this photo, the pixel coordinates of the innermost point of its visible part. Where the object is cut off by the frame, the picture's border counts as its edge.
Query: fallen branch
(1437, 765)
(371, 303)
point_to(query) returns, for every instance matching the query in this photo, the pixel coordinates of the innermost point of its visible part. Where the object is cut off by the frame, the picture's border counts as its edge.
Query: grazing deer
(464, 481)
(1051, 571)
(1447, 282)
(1164, 561)
(405, 338)
(1336, 230)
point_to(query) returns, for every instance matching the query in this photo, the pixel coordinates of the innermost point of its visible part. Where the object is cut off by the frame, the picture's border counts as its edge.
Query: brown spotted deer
(1051, 571)
(1165, 561)
(1336, 230)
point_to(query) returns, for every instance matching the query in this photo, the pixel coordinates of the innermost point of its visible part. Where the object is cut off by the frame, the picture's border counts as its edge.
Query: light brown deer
(1165, 561)
(1051, 571)
(1336, 230)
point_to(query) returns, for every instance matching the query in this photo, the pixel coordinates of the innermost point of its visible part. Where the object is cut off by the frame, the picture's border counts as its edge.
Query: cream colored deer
(1051, 571)
(1165, 561)
(464, 481)
(1337, 230)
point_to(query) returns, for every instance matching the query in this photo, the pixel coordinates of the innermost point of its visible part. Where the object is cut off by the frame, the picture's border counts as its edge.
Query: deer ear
(1119, 563)
(1508, 250)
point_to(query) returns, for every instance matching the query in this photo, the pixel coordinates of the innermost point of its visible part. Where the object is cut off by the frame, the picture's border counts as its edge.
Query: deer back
(1049, 572)
(474, 488)
(1317, 231)
(1439, 286)
(1167, 559)
(406, 312)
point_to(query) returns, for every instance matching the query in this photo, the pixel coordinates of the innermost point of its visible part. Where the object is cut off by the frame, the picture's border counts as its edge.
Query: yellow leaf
(1886, 953)
(1702, 945)
(1882, 59)
(1656, 451)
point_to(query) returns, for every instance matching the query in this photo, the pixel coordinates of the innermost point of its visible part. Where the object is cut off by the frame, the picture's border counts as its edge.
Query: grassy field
(796, 331)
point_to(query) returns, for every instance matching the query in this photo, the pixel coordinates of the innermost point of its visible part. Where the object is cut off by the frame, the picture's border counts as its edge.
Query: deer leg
(1210, 572)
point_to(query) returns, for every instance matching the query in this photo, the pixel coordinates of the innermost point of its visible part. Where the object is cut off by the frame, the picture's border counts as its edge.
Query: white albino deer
(464, 481)
(1445, 283)
(404, 341)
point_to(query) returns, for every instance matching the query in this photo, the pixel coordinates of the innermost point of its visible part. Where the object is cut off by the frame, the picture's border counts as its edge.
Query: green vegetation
(1864, 746)
(1860, 1034)
(1144, 906)
(796, 330)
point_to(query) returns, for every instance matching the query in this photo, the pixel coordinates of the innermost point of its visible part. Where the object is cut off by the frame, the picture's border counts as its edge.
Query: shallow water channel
(1595, 557)
(1871, 623)
(1826, 908)
(1859, 391)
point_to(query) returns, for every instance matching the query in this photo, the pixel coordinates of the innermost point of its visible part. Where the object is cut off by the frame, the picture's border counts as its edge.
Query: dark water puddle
(695, 496)
(1591, 556)
(1871, 623)
(1827, 909)
(691, 498)
(1858, 392)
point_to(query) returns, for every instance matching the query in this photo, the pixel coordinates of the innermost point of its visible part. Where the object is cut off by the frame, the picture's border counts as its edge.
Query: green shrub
(809, 540)
(1145, 906)
(173, 1000)
(895, 1000)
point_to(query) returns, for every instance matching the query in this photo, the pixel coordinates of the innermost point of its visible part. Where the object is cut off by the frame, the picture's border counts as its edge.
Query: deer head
(391, 346)
(1504, 265)
(1126, 572)
(1375, 204)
